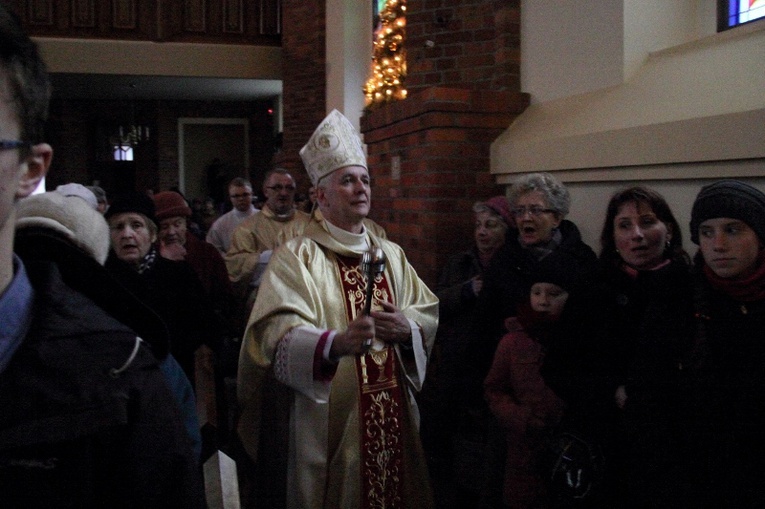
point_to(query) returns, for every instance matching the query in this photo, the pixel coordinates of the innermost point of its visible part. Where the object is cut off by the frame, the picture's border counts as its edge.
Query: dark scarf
(148, 260)
(539, 251)
(540, 326)
(748, 289)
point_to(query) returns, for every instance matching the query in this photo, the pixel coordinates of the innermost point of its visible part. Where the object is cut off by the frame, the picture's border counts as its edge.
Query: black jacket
(73, 432)
(726, 390)
(507, 281)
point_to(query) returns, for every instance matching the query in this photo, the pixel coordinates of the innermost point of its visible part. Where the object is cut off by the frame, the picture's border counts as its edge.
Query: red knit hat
(500, 206)
(170, 204)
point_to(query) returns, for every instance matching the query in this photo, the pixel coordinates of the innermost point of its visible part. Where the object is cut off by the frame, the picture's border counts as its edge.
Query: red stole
(381, 398)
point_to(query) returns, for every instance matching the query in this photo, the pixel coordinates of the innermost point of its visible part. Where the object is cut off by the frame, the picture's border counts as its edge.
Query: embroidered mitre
(333, 145)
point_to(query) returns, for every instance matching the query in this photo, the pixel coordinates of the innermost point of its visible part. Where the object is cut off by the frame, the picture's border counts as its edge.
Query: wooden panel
(124, 14)
(233, 17)
(40, 12)
(270, 17)
(194, 15)
(83, 13)
(203, 21)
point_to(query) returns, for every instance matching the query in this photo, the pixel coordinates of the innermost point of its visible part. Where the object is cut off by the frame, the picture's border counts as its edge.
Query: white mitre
(333, 145)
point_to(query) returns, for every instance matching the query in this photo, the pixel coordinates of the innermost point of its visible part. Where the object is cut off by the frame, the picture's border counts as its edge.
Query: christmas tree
(389, 58)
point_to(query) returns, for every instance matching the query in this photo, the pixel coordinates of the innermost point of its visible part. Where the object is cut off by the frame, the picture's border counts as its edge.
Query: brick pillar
(442, 138)
(304, 84)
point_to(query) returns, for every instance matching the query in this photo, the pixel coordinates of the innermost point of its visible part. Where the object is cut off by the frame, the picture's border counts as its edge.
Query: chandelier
(125, 137)
(130, 135)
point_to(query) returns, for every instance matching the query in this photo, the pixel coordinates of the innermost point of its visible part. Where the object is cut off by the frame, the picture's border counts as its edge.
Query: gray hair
(556, 195)
(480, 206)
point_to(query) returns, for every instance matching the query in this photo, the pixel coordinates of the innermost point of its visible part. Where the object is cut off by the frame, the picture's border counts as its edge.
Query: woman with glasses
(542, 238)
(539, 204)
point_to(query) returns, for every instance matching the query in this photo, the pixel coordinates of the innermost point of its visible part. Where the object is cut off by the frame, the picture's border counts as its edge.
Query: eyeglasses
(242, 195)
(279, 188)
(534, 210)
(12, 144)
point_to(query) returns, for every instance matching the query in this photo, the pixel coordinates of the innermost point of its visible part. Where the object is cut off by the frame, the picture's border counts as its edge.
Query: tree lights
(389, 57)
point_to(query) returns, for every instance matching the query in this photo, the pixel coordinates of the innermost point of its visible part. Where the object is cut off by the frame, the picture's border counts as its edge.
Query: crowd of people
(555, 378)
(630, 379)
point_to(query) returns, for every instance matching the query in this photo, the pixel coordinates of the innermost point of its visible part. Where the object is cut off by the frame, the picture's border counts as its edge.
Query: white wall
(349, 54)
(570, 47)
(659, 99)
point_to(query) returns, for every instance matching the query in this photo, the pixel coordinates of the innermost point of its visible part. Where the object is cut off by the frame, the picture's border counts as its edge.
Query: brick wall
(463, 44)
(464, 90)
(442, 138)
(304, 88)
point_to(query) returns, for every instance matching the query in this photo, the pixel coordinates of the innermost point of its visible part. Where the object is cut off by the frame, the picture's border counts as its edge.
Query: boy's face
(10, 161)
(548, 298)
(19, 175)
(730, 247)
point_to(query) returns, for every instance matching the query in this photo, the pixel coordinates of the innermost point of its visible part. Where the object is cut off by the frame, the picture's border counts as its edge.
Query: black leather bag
(573, 467)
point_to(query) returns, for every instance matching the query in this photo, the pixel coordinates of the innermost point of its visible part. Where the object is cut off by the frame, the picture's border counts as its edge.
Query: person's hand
(476, 284)
(621, 397)
(391, 326)
(354, 340)
(173, 251)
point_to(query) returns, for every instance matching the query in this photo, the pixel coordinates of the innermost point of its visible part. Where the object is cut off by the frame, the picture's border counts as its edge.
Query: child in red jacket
(517, 394)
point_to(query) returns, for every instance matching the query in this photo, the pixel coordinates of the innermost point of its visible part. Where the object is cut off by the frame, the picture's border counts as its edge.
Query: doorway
(211, 151)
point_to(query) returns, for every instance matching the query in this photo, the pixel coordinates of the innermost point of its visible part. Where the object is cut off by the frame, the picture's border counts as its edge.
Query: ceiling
(109, 86)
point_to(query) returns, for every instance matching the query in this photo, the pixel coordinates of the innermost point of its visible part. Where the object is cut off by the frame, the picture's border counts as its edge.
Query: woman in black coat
(650, 326)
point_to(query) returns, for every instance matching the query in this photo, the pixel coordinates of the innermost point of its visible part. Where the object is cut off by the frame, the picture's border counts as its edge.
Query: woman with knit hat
(728, 361)
(170, 288)
(458, 287)
(526, 408)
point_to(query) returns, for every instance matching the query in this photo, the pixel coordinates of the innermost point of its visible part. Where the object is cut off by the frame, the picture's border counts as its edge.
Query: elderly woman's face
(131, 237)
(534, 219)
(730, 247)
(489, 232)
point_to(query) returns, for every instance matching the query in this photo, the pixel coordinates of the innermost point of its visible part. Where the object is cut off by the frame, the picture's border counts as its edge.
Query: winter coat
(526, 409)
(506, 282)
(726, 390)
(85, 423)
(173, 291)
(650, 326)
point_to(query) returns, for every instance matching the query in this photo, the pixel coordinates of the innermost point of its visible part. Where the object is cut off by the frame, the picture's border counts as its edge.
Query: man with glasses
(88, 419)
(240, 194)
(256, 237)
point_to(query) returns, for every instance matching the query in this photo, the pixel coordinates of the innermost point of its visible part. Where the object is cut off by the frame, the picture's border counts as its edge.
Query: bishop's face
(345, 197)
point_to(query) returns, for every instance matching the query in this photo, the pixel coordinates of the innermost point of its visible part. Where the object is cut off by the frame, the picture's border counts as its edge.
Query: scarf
(748, 289)
(539, 326)
(633, 273)
(148, 260)
(540, 251)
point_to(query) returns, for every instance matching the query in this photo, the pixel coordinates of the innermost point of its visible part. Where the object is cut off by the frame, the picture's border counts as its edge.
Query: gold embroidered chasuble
(332, 458)
(261, 232)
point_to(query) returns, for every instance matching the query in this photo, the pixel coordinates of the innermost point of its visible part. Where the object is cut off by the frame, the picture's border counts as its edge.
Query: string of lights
(389, 57)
